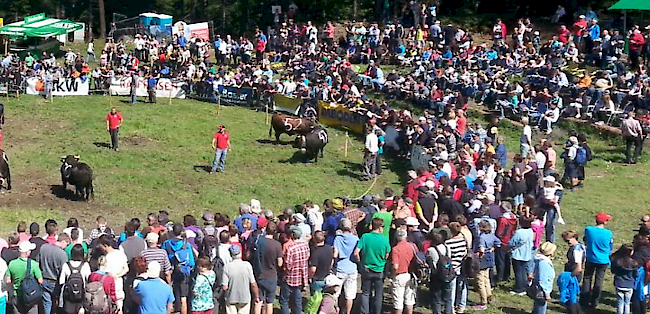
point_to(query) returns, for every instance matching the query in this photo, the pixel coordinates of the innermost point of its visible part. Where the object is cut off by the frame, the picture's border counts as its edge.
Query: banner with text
(332, 114)
(60, 87)
(121, 86)
(286, 103)
(236, 96)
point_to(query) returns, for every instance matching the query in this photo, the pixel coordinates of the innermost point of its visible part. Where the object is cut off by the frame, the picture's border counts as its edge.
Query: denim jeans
(48, 296)
(459, 292)
(502, 258)
(591, 295)
(294, 294)
(219, 160)
(623, 299)
(551, 214)
(539, 307)
(371, 281)
(521, 276)
(441, 296)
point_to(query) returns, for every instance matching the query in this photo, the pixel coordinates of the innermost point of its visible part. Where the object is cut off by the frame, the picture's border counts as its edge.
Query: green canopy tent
(630, 5)
(39, 27)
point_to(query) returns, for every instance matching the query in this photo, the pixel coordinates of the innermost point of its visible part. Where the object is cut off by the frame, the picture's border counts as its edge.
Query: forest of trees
(242, 16)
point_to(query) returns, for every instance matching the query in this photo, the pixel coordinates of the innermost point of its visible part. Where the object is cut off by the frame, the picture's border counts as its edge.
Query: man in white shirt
(526, 138)
(370, 155)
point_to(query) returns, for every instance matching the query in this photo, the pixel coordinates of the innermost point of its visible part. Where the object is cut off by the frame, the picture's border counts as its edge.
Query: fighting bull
(5, 175)
(78, 174)
(282, 123)
(312, 142)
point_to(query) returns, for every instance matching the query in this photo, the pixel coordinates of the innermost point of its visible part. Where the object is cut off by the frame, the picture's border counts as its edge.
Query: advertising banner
(286, 103)
(60, 87)
(335, 115)
(236, 96)
(121, 86)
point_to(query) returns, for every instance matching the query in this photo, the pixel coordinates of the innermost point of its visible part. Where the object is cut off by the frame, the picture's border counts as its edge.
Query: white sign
(60, 87)
(121, 86)
(196, 30)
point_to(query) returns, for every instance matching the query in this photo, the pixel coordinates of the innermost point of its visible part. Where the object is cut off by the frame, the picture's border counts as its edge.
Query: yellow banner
(335, 115)
(286, 103)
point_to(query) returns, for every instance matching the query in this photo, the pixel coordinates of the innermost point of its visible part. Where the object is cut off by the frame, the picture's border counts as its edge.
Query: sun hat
(256, 206)
(547, 248)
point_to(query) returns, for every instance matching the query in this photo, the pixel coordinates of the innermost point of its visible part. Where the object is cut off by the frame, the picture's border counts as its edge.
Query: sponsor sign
(335, 115)
(235, 96)
(60, 87)
(164, 88)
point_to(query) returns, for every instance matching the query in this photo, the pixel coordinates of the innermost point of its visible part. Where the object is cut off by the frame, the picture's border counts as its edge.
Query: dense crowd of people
(464, 216)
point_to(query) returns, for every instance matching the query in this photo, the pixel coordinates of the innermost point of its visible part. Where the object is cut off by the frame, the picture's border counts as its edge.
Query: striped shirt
(458, 248)
(159, 255)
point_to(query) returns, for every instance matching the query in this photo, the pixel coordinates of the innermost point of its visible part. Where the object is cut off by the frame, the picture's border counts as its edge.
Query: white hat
(256, 206)
(152, 237)
(412, 221)
(582, 16)
(412, 174)
(549, 179)
(430, 184)
(299, 217)
(26, 246)
(153, 269)
(475, 205)
(333, 281)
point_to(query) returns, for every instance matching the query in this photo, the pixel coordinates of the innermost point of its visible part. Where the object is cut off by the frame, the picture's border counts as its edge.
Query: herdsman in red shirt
(113, 123)
(221, 145)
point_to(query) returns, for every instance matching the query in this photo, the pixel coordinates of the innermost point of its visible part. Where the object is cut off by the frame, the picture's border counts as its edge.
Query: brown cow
(290, 125)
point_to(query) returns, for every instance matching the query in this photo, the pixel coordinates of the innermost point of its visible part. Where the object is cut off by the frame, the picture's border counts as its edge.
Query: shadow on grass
(102, 145)
(512, 310)
(270, 141)
(297, 157)
(616, 154)
(199, 168)
(67, 194)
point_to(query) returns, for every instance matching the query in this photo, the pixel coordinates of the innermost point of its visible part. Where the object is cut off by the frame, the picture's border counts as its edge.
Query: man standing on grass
(599, 244)
(151, 88)
(113, 123)
(221, 145)
(370, 155)
(633, 135)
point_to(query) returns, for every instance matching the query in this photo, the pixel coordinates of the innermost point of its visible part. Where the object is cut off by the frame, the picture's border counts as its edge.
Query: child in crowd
(488, 242)
(551, 195)
(329, 304)
(624, 269)
(102, 228)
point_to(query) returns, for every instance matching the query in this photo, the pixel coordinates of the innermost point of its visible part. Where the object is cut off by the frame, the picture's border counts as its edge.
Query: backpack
(183, 259)
(471, 265)
(314, 303)
(217, 288)
(74, 288)
(95, 300)
(444, 271)
(209, 243)
(581, 156)
(30, 290)
(419, 267)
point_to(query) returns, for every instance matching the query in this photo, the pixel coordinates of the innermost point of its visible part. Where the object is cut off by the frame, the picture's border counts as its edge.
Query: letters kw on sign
(66, 85)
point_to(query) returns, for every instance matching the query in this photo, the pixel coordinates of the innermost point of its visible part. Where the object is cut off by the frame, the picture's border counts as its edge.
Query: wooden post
(266, 119)
(219, 105)
(346, 144)
(170, 96)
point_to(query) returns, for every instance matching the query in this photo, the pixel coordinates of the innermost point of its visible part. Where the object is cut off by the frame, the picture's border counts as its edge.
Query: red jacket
(108, 284)
(636, 41)
(507, 225)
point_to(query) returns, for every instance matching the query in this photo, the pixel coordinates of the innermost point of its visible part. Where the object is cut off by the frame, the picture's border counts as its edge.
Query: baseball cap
(603, 217)
(152, 237)
(332, 281)
(299, 217)
(26, 246)
(296, 231)
(337, 203)
(234, 250)
(549, 179)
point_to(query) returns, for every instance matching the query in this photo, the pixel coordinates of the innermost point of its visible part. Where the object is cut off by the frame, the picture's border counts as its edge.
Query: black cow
(5, 175)
(282, 123)
(312, 143)
(78, 174)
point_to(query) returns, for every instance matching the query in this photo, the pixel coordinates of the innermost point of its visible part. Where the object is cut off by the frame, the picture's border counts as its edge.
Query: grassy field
(165, 150)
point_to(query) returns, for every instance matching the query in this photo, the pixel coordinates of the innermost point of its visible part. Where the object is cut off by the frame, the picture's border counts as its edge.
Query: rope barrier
(370, 188)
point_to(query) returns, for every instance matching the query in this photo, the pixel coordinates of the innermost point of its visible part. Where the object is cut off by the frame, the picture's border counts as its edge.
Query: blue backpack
(581, 156)
(183, 258)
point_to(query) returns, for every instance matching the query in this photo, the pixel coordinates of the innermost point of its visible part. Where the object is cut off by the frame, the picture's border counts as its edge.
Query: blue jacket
(594, 32)
(568, 287)
(522, 245)
(544, 273)
(639, 283)
(502, 154)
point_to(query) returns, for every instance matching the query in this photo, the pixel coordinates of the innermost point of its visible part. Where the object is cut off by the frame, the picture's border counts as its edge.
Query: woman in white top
(77, 264)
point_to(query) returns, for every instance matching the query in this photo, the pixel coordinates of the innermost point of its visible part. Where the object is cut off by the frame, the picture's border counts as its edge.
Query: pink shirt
(551, 158)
